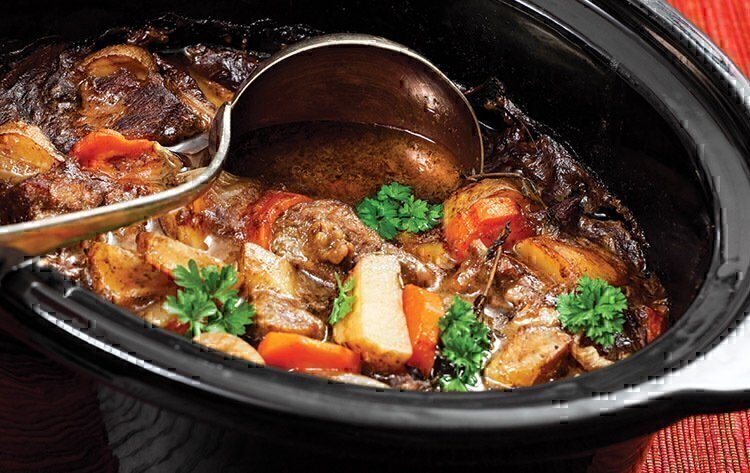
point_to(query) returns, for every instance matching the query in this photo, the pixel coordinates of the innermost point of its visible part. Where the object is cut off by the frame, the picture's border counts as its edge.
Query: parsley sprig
(394, 209)
(465, 345)
(595, 309)
(344, 301)
(207, 300)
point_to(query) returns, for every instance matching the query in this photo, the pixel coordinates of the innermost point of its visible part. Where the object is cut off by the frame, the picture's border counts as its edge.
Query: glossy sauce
(346, 161)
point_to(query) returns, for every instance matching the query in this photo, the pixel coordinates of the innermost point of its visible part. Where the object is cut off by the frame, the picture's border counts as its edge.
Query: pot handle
(717, 379)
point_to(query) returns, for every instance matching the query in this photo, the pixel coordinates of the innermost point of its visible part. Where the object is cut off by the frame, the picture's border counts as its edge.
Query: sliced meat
(65, 188)
(222, 209)
(532, 356)
(137, 103)
(274, 313)
(325, 237)
(68, 92)
(588, 356)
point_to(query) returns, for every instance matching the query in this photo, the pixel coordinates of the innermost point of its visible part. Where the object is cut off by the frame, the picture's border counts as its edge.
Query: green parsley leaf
(395, 191)
(395, 209)
(381, 216)
(465, 345)
(343, 303)
(419, 216)
(207, 302)
(594, 309)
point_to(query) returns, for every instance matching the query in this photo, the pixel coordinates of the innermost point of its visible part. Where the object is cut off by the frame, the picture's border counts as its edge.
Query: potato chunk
(166, 254)
(24, 152)
(265, 271)
(376, 328)
(231, 345)
(190, 235)
(530, 357)
(565, 263)
(124, 277)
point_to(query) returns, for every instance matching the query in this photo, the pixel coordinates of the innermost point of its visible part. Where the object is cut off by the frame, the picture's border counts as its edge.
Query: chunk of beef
(221, 210)
(137, 106)
(275, 313)
(532, 356)
(53, 89)
(325, 237)
(41, 89)
(225, 66)
(66, 188)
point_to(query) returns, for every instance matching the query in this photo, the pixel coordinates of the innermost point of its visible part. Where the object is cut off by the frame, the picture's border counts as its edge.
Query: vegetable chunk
(110, 153)
(24, 152)
(167, 254)
(423, 310)
(264, 271)
(124, 277)
(376, 327)
(231, 345)
(296, 352)
(565, 263)
(480, 212)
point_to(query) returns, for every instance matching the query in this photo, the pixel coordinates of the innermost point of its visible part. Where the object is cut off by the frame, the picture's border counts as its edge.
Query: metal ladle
(340, 77)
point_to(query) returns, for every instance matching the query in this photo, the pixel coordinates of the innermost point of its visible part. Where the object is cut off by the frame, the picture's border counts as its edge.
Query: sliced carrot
(264, 212)
(100, 146)
(297, 352)
(423, 310)
(485, 220)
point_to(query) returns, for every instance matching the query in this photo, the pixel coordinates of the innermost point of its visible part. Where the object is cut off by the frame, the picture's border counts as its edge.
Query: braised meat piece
(275, 313)
(533, 356)
(325, 237)
(41, 89)
(68, 93)
(221, 210)
(66, 188)
(227, 67)
(122, 89)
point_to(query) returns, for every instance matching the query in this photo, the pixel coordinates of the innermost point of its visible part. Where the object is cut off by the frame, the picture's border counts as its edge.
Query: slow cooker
(645, 100)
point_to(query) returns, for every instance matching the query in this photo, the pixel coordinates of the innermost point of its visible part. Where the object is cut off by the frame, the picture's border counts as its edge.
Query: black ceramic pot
(647, 102)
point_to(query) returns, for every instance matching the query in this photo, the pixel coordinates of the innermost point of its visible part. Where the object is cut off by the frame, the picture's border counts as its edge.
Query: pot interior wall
(611, 127)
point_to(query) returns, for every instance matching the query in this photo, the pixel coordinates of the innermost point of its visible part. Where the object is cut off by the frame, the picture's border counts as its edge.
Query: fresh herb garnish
(594, 309)
(207, 301)
(465, 345)
(343, 303)
(394, 209)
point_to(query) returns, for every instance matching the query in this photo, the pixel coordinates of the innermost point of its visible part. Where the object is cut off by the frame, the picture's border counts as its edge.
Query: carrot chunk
(100, 146)
(423, 310)
(297, 352)
(264, 212)
(485, 220)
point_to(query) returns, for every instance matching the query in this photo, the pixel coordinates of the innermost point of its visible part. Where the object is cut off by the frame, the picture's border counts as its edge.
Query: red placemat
(720, 443)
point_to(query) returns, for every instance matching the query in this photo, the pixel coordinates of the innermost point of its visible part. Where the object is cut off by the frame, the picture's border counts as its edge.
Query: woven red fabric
(721, 443)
